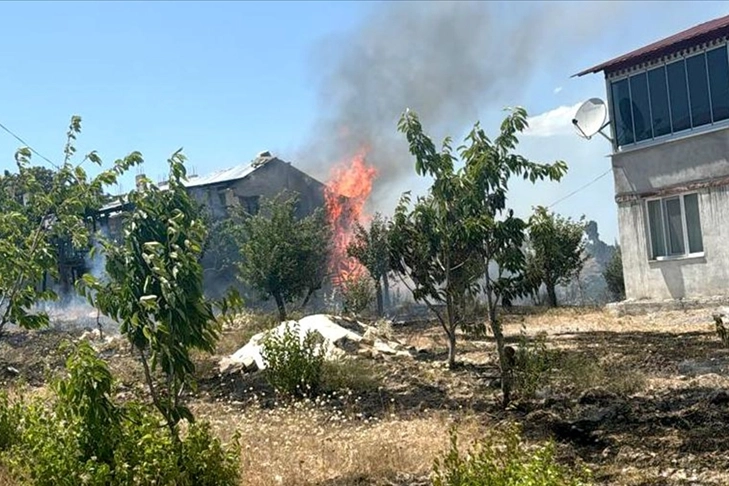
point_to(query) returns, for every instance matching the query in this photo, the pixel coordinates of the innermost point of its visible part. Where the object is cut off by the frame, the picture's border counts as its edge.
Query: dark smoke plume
(449, 62)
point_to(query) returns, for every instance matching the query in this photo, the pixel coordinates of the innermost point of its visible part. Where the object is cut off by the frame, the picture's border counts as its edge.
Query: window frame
(684, 227)
(672, 135)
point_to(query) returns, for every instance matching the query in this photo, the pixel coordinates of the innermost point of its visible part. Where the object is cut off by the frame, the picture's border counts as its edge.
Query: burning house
(267, 176)
(343, 197)
(245, 185)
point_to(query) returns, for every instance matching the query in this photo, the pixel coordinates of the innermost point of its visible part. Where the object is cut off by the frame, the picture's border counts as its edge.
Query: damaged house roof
(218, 177)
(227, 175)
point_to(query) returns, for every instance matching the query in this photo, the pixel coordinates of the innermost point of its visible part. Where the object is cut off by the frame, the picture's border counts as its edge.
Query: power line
(581, 188)
(27, 145)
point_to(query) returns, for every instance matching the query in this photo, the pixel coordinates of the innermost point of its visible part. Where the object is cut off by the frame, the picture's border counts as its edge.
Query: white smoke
(74, 312)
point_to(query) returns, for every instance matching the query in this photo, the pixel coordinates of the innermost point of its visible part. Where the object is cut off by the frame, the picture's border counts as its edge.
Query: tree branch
(153, 392)
(425, 300)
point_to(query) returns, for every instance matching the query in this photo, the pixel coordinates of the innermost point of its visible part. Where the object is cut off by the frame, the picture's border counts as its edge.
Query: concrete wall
(685, 278)
(266, 182)
(692, 158)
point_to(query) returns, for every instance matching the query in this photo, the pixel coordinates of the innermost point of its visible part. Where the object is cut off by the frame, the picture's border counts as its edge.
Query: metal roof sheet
(706, 31)
(226, 175)
(221, 176)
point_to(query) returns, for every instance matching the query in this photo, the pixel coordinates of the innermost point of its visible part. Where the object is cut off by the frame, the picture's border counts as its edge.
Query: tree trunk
(452, 348)
(378, 296)
(451, 331)
(281, 306)
(309, 294)
(165, 411)
(385, 292)
(551, 294)
(504, 362)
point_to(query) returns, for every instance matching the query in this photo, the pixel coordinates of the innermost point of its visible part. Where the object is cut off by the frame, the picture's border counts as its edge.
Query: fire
(348, 188)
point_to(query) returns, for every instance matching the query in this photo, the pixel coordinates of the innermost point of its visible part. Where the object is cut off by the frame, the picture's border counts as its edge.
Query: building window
(718, 64)
(678, 96)
(674, 226)
(251, 204)
(660, 109)
(642, 121)
(698, 88)
(689, 93)
(623, 112)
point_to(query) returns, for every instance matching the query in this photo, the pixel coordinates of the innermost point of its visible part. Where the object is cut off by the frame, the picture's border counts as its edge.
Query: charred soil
(641, 400)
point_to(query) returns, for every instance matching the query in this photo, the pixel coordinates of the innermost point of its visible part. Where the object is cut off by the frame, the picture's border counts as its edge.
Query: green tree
(284, 257)
(614, 275)
(558, 250)
(221, 252)
(154, 289)
(371, 248)
(43, 177)
(41, 207)
(462, 228)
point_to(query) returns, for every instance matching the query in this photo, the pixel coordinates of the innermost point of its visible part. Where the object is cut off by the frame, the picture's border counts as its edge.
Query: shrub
(49, 451)
(206, 461)
(82, 437)
(614, 277)
(84, 399)
(537, 367)
(9, 421)
(149, 455)
(358, 294)
(503, 459)
(581, 372)
(294, 363)
(354, 374)
(533, 363)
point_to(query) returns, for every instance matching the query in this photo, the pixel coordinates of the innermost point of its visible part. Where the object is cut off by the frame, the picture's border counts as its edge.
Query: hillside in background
(591, 287)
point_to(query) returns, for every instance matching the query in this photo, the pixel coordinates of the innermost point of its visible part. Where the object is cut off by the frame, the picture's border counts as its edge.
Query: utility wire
(580, 188)
(54, 165)
(28, 145)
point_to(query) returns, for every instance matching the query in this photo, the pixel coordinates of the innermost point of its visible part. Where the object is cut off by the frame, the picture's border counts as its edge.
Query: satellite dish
(591, 118)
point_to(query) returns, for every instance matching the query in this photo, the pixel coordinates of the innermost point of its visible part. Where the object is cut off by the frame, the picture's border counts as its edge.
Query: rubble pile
(342, 337)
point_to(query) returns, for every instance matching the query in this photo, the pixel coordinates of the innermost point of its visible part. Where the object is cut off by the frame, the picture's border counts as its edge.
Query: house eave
(628, 197)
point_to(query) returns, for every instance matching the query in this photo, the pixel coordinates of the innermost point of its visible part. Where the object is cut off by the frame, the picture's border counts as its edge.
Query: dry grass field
(640, 400)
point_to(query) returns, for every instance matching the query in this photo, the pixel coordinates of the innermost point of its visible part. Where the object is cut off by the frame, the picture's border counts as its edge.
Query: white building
(669, 112)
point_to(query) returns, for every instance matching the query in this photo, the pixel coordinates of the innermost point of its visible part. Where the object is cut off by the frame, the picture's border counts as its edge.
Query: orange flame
(347, 191)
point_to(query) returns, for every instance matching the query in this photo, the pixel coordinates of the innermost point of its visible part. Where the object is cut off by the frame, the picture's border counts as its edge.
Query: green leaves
(503, 458)
(283, 257)
(154, 287)
(45, 212)
(446, 241)
(78, 435)
(293, 362)
(371, 248)
(556, 250)
(613, 275)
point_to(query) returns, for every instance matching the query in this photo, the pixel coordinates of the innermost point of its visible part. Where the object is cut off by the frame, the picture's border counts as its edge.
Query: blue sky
(227, 80)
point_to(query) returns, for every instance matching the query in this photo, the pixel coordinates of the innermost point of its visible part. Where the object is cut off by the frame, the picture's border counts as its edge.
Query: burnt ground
(639, 400)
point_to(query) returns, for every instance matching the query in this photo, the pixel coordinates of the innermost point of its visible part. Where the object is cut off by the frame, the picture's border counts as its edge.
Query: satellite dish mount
(591, 119)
